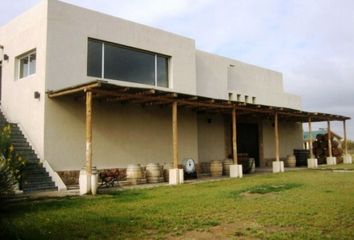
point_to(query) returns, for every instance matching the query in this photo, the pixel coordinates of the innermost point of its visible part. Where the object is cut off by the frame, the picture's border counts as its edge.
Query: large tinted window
(129, 65)
(126, 64)
(162, 71)
(94, 59)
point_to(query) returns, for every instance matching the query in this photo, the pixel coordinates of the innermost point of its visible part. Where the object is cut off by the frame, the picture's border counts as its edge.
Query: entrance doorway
(248, 140)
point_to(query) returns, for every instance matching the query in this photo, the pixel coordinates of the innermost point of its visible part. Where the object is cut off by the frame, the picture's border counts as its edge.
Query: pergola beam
(345, 138)
(175, 135)
(234, 135)
(310, 139)
(73, 90)
(112, 92)
(329, 139)
(276, 134)
(89, 133)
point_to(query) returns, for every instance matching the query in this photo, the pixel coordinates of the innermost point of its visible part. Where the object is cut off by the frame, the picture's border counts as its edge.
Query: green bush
(11, 164)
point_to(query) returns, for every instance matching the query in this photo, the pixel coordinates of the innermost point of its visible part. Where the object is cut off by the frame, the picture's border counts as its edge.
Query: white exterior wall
(290, 138)
(211, 137)
(69, 28)
(22, 34)
(218, 76)
(122, 135)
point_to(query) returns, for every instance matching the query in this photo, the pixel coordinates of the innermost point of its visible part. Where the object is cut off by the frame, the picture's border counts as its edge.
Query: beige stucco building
(56, 45)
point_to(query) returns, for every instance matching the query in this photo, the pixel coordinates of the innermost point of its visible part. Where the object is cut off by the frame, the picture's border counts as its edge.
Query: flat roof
(109, 92)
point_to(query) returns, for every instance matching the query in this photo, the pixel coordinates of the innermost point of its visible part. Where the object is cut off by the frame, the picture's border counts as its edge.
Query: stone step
(34, 173)
(39, 179)
(37, 185)
(39, 189)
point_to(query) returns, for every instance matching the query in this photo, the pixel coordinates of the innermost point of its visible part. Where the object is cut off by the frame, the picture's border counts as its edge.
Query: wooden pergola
(110, 92)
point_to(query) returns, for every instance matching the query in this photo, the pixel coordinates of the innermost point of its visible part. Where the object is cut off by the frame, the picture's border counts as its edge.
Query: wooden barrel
(226, 166)
(134, 171)
(291, 161)
(153, 173)
(216, 168)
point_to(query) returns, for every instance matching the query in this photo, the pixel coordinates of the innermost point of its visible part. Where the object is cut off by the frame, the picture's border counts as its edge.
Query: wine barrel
(226, 166)
(290, 161)
(134, 171)
(153, 173)
(216, 168)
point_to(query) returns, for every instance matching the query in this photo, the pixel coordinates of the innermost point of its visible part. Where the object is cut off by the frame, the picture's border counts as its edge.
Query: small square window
(27, 65)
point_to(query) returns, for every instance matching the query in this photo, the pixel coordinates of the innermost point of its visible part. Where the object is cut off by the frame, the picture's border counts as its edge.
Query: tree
(11, 164)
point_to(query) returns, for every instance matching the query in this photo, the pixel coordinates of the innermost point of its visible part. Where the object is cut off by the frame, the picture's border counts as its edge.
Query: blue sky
(310, 41)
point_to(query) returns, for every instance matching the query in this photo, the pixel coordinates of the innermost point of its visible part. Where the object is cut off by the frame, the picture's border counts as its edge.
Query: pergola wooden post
(345, 138)
(88, 132)
(276, 133)
(310, 139)
(174, 135)
(234, 135)
(329, 139)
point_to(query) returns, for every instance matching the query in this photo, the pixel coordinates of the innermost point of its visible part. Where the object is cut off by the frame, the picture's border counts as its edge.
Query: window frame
(27, 56)
(156, 55)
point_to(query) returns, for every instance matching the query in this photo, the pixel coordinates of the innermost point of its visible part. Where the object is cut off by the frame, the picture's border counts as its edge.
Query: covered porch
(232, 111)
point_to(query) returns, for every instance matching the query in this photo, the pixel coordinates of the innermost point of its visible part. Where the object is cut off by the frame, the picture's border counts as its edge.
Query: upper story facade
(56, 45)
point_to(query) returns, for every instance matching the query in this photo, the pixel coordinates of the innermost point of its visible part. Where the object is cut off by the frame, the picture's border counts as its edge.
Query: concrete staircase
(34, 176)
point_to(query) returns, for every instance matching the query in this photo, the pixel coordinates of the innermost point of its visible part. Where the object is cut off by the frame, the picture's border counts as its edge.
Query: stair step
(37, 178)
(33, 170)
(36, 181)
(37, 186)
(40, 190)
(20, 144)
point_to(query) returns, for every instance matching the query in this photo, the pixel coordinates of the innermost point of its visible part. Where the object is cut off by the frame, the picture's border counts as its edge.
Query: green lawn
(307, 204)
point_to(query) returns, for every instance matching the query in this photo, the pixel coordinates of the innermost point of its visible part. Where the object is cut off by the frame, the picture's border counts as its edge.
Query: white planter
(94, 183)
(331, 161)
(176, 176)
(312, 163)
(84, 182)
(347, 159)
(236, 171)
(278, 166)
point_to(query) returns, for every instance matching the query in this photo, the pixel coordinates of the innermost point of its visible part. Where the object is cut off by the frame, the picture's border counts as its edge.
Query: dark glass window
(94, 58)
(128, 65)
(162, 71)
(24, 71)
(27, 65)
(32, 62)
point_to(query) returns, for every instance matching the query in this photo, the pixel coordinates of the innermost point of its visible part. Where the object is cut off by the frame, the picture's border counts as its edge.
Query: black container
(301, 156)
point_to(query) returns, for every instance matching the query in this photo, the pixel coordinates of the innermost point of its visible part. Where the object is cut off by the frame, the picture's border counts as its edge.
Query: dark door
(247, 140)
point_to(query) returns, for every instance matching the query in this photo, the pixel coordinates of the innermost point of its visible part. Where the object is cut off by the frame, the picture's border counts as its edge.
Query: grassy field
(308, 204)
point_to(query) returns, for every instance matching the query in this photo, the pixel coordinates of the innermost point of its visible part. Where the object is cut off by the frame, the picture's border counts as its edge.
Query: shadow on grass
(129, 195)
(266, 188)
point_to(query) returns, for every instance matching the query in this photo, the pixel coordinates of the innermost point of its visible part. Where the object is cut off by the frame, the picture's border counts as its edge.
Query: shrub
(11, 164)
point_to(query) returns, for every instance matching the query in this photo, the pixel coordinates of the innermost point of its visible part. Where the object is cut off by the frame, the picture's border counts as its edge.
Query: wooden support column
(89, 132)
(345, 138)
(310, 139)
(234, 136)
(276, 133)
(174, 135)
(329, 139)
